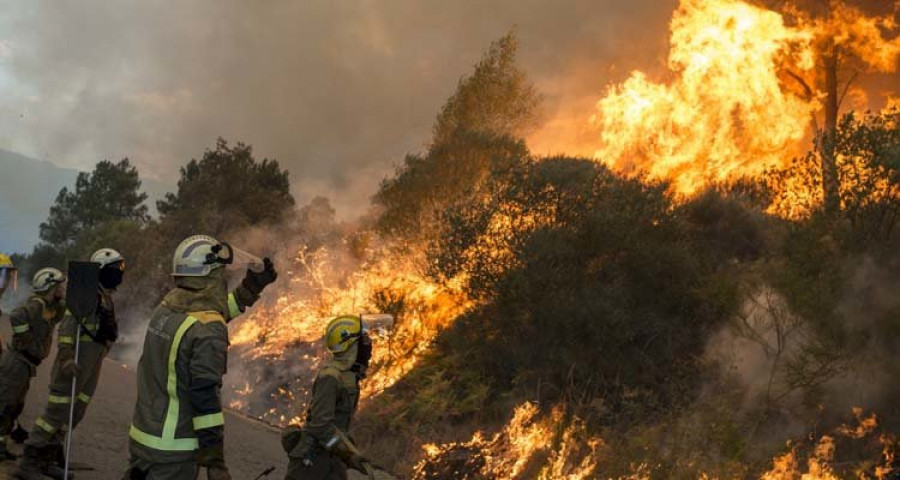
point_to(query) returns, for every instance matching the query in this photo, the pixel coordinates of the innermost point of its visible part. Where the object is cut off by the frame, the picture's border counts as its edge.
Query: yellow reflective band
(209, 421)
(20, 328)
(234, 310)
(168, 444)
(66, 340)
(44, 425)
(84, 398)
(57, 399)
(171, 422)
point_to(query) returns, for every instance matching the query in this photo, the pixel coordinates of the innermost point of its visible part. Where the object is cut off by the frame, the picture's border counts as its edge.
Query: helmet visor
(9, 278)
(234, 258)
(244, 259)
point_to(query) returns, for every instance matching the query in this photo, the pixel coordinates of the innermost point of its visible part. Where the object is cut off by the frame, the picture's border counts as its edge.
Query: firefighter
(98, 333)
(322, 449)
(178, 426)
(8, 277)
(32, 326)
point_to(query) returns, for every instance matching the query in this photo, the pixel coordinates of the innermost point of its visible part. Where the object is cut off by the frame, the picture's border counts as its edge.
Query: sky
(337, 91)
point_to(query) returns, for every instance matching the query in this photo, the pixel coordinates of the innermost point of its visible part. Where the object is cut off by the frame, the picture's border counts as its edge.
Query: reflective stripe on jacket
(181, 351)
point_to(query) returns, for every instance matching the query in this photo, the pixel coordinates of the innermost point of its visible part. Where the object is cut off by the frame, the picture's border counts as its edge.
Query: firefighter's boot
(51, 466)
(38, 464)
(30, 465)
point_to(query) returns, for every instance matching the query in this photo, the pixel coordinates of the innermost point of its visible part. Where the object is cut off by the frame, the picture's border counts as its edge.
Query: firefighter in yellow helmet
(8, 279)
(32, 325)
(98, 333)
(321, 449)
(177, 428)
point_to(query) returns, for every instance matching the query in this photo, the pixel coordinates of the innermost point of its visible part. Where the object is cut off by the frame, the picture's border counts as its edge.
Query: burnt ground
(101, 441)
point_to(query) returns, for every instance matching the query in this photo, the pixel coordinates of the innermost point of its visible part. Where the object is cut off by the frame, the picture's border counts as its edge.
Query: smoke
(756, 350)
(337, 91)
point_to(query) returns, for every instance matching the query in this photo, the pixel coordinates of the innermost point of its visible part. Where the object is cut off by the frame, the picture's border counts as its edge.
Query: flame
(725, 114)
(742, 94)
(513, 451)
(325, 283)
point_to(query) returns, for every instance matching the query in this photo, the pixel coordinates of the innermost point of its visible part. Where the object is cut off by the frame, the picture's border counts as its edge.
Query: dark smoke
(337, 91)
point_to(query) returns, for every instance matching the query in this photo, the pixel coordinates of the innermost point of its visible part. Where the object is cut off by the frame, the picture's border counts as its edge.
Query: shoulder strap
(208, 316)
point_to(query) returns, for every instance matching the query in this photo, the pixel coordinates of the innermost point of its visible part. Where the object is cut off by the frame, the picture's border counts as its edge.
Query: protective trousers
(15, 377)
(325, 466)
(139, 469)
(49, 428)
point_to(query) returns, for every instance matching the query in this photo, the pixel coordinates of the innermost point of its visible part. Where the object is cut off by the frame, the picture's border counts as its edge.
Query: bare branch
(847, 87)
(809, 91)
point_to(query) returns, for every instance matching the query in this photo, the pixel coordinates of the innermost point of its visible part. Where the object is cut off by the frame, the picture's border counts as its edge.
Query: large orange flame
(742, 93)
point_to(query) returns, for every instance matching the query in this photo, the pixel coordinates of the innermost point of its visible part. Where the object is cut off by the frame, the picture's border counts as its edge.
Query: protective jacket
(335, 396)
(334, 399)
(32, 325)
(98, 332)
(179, 408)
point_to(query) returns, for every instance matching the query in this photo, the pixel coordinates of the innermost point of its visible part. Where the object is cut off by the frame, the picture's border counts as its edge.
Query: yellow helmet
(342, 332)
(9, 274)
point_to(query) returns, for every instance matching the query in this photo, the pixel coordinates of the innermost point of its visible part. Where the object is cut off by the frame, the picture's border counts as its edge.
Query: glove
(212, 458)
(217, 473)
(255, 282)
(70, 368)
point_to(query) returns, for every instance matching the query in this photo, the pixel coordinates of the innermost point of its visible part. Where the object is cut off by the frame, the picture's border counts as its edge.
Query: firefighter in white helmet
(321, 449)
(178, 426)
(32, 325)
(98, 333)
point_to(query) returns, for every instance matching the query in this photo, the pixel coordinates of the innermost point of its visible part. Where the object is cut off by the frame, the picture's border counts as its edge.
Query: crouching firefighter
(32, 325)
(321, 449)
(98, 332)
(178, 426)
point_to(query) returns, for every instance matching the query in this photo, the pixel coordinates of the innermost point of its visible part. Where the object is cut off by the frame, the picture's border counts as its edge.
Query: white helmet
(45, 279)
(107, 256)
(198, 255)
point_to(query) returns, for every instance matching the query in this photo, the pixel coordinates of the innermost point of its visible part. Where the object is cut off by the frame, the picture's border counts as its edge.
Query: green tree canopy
(110, 192)
(226, 190)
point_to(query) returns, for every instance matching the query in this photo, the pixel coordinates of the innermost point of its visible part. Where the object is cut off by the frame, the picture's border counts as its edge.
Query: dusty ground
(101, 440)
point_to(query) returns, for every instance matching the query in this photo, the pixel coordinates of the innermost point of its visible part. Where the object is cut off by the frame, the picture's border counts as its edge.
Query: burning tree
(747, 81)
(845, 42)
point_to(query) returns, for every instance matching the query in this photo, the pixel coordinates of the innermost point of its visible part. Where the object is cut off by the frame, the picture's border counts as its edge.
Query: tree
(846, 43)
(226, 190)
(496, 98)
(110, 192)
(455, 171)
(867, 160)
(478, 127)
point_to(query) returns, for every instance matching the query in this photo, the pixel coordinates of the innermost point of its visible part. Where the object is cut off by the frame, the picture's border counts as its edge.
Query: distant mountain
(27, 189)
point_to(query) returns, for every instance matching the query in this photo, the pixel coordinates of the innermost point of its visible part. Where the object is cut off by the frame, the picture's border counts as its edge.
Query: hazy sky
(338, 91)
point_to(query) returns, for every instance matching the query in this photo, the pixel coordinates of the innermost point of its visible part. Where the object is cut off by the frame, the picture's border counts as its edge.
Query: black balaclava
(363, 355)
(111, 276)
